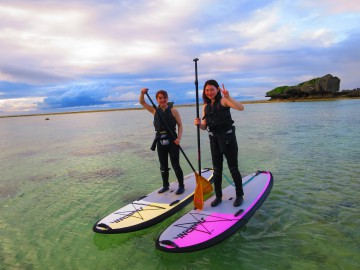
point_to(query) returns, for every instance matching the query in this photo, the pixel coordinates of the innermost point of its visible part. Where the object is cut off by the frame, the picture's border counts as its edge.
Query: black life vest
(168, 118)
(217, 116)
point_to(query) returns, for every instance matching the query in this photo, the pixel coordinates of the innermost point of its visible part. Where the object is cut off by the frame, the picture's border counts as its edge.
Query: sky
(61, 55)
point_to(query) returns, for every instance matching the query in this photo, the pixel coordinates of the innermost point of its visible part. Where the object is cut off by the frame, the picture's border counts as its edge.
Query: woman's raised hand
(224, 91)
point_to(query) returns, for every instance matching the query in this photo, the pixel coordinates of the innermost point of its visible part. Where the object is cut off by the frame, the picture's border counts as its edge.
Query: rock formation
(326, 86)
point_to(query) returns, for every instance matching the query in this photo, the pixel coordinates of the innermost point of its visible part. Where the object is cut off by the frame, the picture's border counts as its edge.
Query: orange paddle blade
(206, 185)
(198, 194)
(203, 186)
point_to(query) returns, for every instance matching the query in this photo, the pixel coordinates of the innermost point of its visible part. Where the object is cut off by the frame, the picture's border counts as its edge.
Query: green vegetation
(320, 87)
(310, 82)
(277, 91)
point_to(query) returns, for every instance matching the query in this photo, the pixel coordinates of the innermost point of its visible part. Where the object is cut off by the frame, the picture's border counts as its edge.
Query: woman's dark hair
(163, 92)
(218, 95)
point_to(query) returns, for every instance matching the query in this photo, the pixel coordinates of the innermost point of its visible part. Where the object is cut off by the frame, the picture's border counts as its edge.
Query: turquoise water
(58, 177)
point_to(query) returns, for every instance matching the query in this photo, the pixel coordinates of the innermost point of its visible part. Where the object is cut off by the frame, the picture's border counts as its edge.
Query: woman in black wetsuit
(217, 120)
(164, 141)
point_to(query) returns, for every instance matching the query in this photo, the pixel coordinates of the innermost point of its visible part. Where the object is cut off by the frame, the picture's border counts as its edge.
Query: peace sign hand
(224, 91)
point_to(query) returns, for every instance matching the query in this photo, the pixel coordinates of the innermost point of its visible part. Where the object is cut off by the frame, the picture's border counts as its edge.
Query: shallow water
(58, 177)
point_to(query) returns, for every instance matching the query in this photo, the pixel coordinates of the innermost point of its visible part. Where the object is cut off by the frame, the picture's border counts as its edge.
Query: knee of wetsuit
(234, 170)
(176, 167)
(164, 170)
(217, 170)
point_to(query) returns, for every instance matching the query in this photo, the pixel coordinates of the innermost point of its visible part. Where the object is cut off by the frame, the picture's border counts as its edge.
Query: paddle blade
(203, 186)
(206, 185)
(198, 194)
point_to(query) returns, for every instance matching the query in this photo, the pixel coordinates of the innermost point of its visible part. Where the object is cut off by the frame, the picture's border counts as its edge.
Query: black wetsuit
(166, 146)
(223, 143)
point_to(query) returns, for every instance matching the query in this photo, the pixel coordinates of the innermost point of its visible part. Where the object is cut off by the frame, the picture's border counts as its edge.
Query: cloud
(127, 96)
(86, 94)
(8, 106)
(277, 27)
(14, 73)
(91, 53)
(72, 39)
(331, 6)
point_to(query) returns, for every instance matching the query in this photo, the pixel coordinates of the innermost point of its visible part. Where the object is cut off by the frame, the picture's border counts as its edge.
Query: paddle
(199, 179)
(200, 190)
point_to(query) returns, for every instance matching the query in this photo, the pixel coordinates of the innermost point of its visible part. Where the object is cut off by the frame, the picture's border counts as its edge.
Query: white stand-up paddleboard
(150, 209)
(199, 229)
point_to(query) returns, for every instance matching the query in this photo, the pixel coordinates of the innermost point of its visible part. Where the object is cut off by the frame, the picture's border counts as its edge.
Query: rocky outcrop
(325, 86)
(349, 93)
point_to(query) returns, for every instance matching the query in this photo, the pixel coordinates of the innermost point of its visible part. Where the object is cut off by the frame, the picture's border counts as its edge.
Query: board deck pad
(150, 209)
(199, 229)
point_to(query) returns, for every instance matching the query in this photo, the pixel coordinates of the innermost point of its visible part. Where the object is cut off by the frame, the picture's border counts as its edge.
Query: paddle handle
(197, 114)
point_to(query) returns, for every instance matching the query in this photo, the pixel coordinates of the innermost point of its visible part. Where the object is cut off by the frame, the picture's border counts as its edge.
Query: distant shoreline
(187, 105)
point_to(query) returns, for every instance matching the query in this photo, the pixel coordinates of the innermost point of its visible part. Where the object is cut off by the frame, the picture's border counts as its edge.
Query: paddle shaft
(170, 132)
(197, 113)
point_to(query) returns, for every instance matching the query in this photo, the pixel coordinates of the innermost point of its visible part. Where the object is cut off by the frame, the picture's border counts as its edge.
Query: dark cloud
(78, 96)
(81, 99)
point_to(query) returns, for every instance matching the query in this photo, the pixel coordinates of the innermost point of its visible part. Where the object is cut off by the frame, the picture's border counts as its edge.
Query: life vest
(168, 117)
(217, 116)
